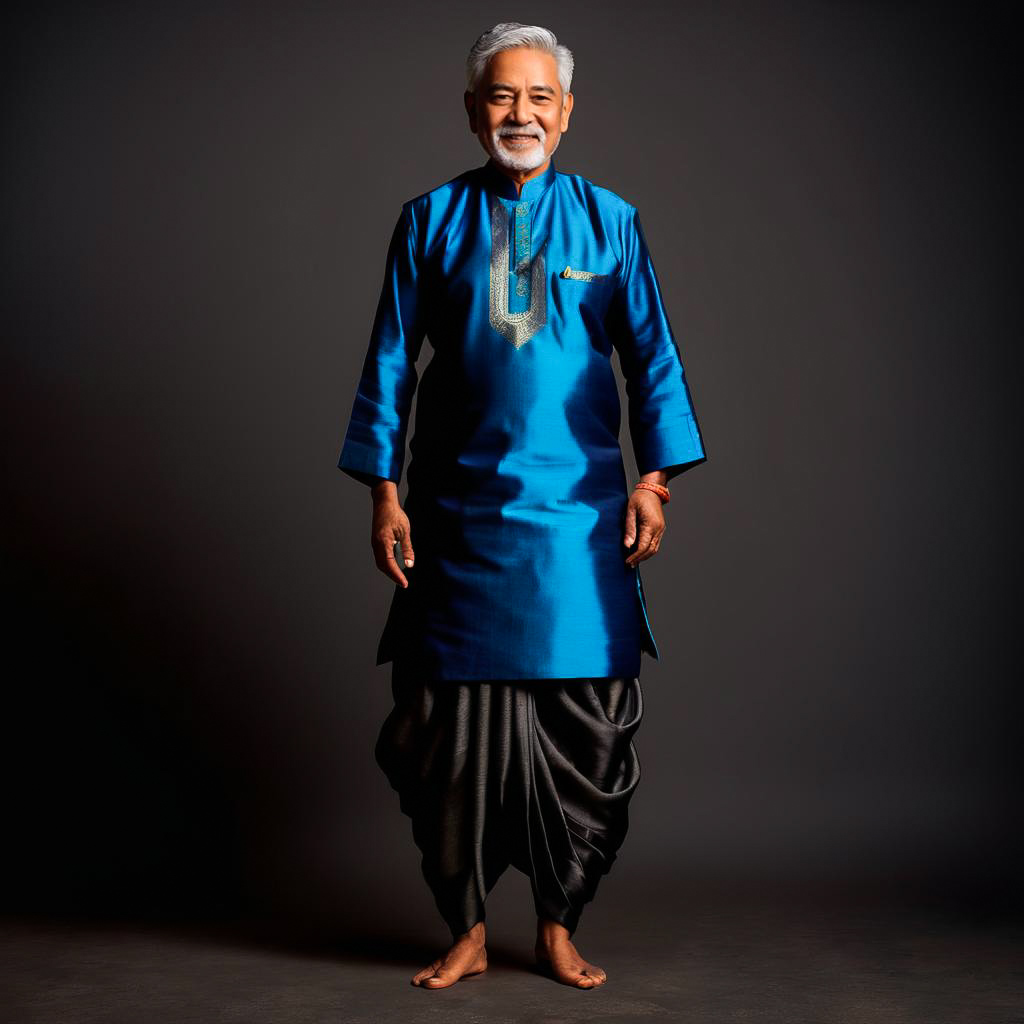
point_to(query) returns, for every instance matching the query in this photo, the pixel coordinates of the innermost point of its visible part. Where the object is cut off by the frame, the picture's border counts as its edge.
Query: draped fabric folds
(536, 774)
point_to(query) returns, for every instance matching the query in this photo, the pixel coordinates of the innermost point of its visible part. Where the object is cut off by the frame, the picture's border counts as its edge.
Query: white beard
(521, 160)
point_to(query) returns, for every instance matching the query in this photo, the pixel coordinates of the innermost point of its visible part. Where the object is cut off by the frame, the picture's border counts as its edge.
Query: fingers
(629, 528)
(391, 526)
(647, 545)
(648, 522)
(384, 555)
(407, 553)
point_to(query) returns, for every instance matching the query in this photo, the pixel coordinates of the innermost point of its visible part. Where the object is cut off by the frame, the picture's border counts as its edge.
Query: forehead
(522, 66)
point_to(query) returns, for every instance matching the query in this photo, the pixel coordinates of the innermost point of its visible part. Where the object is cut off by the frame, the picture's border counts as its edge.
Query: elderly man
(518, 619)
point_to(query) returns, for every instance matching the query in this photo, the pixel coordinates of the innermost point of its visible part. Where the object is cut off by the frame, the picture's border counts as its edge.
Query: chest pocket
(575, 274)
(589, 289)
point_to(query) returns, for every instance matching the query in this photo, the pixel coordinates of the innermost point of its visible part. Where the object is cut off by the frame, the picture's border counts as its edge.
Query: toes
(578, 975)
(593, 971)
(444, 977)
(576, 978)
(439, 981)
(591, 977)
(427, 972)
(441, 975)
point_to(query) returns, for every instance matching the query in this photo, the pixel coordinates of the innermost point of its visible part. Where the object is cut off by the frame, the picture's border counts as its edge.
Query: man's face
(518, 111)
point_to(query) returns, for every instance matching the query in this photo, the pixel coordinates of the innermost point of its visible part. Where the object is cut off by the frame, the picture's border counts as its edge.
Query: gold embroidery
(518, 328)
(582, 275)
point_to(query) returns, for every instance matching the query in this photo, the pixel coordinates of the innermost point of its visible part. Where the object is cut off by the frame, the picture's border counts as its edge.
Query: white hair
(510, 34)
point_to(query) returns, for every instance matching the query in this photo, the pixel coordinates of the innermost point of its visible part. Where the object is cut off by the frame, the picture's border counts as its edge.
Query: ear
(566, 111)
(469, 99)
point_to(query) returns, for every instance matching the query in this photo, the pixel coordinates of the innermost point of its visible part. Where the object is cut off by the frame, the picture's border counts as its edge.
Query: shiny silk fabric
(517, 490)
(537, 774)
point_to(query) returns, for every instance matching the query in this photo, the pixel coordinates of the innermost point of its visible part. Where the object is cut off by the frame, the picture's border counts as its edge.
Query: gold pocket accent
(582, 275)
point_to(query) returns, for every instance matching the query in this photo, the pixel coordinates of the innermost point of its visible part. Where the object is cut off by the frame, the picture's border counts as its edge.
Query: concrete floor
(728, 957)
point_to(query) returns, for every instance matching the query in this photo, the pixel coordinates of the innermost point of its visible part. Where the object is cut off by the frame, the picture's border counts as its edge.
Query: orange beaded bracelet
(659, 489)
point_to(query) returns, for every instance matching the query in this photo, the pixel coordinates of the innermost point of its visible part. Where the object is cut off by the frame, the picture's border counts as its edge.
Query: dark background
(196, 207)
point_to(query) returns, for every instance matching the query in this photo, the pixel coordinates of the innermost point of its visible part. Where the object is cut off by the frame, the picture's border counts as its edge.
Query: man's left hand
(645, 524)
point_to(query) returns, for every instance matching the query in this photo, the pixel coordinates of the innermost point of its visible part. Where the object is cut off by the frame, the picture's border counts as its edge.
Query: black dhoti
(537, 774)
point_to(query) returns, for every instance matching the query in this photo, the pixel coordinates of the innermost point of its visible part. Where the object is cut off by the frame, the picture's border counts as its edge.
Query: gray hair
(506, 36)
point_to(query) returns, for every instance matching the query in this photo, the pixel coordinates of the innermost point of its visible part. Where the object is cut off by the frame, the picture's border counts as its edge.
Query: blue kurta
(517, 490)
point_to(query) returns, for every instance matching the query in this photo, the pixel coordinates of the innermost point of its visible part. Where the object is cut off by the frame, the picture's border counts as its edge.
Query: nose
(521, 110)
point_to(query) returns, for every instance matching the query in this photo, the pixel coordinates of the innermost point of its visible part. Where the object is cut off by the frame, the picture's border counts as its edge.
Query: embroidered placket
(519, 271)
(518, 309)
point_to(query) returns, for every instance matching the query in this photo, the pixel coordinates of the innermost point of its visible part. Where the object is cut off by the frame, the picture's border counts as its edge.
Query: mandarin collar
(502, 185)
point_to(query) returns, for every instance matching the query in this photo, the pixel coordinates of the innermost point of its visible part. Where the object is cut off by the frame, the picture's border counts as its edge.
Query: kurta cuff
(670, 448)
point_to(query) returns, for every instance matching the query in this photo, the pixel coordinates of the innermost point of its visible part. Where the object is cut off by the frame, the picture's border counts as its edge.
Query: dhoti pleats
(537, 774)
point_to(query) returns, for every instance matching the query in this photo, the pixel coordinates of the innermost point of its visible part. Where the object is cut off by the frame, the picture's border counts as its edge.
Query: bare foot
(467, 956)
(560, 958)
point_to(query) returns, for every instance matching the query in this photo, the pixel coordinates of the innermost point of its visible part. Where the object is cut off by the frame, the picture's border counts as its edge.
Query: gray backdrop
(196, 211)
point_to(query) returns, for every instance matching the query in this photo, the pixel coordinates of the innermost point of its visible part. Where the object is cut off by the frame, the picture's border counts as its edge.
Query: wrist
(384, 490)
(656, 476)
(659, 489)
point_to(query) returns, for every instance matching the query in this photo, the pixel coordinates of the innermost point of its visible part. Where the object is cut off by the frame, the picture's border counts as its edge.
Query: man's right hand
(390, 525)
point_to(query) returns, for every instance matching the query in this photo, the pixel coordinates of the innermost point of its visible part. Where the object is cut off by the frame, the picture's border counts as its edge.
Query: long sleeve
(662, 424)
(374, 444)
